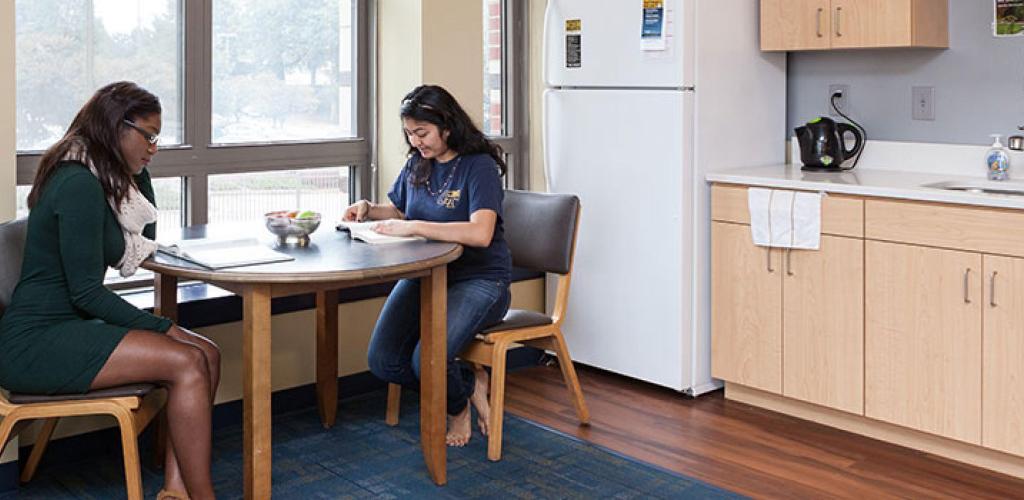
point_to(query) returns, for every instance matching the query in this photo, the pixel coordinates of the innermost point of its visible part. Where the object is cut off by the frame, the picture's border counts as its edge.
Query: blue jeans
(394, 353)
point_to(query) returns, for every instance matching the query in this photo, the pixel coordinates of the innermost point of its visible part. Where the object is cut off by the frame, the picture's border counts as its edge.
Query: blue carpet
(361, 457)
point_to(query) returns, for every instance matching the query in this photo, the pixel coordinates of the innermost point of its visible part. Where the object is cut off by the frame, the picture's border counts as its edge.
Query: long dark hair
(433, 104)
(97, 128)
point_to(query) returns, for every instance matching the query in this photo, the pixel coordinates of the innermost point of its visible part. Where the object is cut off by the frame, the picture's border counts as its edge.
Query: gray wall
(979, 83)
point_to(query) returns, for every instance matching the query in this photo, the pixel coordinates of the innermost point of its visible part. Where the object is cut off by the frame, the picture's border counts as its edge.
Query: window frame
(198, 157)
(515, 94)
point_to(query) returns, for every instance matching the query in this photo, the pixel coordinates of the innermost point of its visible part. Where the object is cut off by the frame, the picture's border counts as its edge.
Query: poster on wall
(1009, 18)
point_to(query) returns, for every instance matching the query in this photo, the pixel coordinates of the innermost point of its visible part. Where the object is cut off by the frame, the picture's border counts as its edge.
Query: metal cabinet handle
(839, 13)
(768, 253)
(992, 290)
(820, 12)
(967, 293)
(789, 261)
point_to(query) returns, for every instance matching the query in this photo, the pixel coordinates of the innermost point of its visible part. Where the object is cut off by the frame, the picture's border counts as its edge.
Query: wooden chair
(133, 406)
(541, 233)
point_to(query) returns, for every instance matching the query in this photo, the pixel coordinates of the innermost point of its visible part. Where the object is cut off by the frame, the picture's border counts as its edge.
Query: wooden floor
(742, 448)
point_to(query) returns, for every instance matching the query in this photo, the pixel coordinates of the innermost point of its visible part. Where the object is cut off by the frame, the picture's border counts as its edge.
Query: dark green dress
(62, 323)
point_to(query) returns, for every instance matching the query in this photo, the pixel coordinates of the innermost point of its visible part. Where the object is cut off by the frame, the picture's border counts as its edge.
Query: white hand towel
(759, 204)
(785, 219)
(806, 221)
(780, 219)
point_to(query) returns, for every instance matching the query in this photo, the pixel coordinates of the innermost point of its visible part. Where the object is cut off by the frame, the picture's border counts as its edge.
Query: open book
(363, 231)
(221, 254)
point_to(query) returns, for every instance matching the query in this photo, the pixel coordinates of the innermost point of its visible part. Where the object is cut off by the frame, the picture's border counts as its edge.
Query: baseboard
(882, 431)
(224, 415)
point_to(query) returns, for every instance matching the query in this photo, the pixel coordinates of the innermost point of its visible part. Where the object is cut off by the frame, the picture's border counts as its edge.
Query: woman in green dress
(64, 332)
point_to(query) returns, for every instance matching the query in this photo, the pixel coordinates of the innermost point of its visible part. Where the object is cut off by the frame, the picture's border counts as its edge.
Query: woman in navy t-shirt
(449, 190)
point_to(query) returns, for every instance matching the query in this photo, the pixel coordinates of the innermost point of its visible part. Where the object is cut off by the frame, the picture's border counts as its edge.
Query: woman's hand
(357, 211)
(395, 227)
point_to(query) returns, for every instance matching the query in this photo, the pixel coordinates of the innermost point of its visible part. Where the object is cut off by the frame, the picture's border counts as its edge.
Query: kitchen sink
(981, 187)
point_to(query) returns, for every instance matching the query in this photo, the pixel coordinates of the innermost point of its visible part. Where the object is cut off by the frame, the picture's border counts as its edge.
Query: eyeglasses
(150, 138)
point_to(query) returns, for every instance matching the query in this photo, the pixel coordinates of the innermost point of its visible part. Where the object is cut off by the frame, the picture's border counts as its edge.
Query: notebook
(363, 231)
(222, 254)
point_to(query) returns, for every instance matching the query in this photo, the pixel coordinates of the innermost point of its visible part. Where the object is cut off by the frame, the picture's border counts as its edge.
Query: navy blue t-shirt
(460, 187)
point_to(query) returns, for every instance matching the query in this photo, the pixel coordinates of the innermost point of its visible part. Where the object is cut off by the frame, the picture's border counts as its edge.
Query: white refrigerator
(643, 99)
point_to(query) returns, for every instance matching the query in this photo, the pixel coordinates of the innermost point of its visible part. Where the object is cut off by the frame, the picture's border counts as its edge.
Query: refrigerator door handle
(544, 36)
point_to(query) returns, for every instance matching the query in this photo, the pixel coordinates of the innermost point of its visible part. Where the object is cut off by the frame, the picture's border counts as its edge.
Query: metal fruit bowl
(286, 224)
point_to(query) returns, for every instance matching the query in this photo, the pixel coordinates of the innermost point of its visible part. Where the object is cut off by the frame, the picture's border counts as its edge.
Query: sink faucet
(1016, 142)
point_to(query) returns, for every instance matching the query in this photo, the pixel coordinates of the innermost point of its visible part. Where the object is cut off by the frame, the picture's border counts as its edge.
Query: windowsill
(200, 304)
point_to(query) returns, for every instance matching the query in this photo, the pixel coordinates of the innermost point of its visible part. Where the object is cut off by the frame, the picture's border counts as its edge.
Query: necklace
(447, 183)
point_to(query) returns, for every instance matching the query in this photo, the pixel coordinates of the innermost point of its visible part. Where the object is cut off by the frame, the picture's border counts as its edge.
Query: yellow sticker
(572, 25)
(653, 4)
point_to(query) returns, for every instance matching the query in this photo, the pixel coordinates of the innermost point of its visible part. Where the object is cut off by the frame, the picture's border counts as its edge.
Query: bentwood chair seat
(133, 406)
(541, 233)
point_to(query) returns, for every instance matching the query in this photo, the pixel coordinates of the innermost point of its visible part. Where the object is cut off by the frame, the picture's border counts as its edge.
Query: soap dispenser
(998, 161)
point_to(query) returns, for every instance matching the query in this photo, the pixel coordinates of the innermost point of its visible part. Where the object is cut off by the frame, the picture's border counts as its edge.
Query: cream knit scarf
(133, 214)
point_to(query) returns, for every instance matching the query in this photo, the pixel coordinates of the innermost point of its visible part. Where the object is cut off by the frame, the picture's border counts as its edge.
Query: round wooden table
(331, 262)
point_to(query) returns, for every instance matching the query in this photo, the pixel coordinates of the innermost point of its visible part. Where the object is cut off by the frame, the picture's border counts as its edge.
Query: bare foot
(459, 428)
(480, 397)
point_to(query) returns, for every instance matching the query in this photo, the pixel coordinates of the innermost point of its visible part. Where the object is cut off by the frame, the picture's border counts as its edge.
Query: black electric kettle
(823, 145)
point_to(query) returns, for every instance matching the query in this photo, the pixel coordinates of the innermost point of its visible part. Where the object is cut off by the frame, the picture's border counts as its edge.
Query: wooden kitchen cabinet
(823, 324)
(909, 320)
(1003, 349)
(923, 339)
(796, 24)
(851, 24)
(746, 306)
(789, 322)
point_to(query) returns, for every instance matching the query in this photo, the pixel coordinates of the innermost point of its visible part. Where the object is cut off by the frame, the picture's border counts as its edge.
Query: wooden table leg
(166, 301)
(433, 364)
(165, 289)
(327, 356)
(256, 390)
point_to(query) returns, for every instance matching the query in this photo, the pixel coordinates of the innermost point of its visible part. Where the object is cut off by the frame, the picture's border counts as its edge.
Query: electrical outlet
(843, 103)
(922, 101)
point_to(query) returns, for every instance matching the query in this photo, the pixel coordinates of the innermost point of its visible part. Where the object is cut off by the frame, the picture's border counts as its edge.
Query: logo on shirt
(450, 198)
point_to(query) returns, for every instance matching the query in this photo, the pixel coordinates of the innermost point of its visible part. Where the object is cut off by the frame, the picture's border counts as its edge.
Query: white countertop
(874, 182)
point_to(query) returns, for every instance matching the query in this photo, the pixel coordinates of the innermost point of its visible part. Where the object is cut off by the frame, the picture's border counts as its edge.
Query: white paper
(363, 231)
(652, 31)
(221, 254)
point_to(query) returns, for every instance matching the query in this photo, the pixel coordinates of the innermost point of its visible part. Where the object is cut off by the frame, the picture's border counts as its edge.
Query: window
(254, 92)
(22, 201)
(504, 79)
(290, 83)
(493, 60)
(238, 97)
(235, 197)
(169, 195)
(170, 201)
(66, 49)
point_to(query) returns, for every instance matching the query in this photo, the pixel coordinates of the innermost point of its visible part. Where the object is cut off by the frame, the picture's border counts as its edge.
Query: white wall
(535, 44)
(7, 117)
(424, 42)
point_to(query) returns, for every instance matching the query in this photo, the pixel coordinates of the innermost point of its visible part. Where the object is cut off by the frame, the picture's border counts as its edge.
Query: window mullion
(197, 199)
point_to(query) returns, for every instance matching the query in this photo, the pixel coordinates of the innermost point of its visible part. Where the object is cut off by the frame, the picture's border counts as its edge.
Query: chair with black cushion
(541, 232)
(133, 406)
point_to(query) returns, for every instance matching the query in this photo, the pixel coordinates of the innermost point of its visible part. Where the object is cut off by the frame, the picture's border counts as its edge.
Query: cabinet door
(871, 23)
(795, 24)
(1003, 372)
(922, 340)
(746, 309)
(823, 324)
